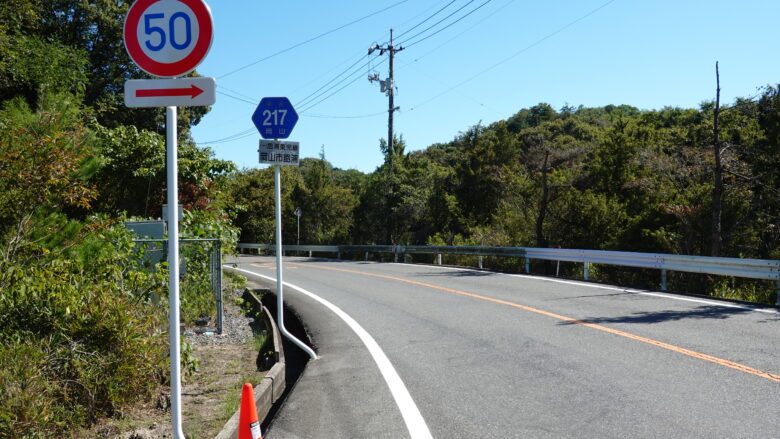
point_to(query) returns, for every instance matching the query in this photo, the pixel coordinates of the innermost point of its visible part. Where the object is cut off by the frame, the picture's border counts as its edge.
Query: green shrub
(78, 338)
(747, 290)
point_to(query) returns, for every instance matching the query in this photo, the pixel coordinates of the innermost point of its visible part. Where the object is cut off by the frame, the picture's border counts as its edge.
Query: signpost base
(279, 280)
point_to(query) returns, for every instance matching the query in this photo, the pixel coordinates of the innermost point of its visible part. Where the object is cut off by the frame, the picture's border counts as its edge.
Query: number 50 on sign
(168, 38)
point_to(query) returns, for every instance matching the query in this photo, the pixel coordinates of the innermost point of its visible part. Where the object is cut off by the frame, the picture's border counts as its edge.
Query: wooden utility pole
(717, 190)
(387, 86)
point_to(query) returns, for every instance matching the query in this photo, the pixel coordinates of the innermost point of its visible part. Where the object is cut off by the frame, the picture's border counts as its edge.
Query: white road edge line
(415, 423)
(621, 289)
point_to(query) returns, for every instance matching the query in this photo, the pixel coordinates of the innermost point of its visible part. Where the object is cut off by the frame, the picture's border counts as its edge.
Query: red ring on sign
(181, 67)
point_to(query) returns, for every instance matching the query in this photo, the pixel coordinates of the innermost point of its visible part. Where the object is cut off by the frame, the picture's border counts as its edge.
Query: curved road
(492, 355)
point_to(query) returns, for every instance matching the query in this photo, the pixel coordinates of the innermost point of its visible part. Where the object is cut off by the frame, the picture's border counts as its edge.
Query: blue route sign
(275, 118)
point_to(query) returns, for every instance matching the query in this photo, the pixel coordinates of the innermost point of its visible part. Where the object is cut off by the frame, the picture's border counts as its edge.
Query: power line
(232, 137)
(458, 34)
(437, 23)
(429, 17)
(312, 96)
(237, 93)
(294, 46)
(324, 74)
(311, 101)
(251, 131)
(514, 55)
(237, 98)
(361, 116)
(309, 107)
(449, 25)
(360, 57)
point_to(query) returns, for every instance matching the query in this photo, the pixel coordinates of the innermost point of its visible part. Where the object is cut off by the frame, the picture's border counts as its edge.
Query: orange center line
(688, 352)
(271, 266)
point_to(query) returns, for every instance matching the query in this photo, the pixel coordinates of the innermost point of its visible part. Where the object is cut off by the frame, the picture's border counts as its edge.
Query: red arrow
(192, 92)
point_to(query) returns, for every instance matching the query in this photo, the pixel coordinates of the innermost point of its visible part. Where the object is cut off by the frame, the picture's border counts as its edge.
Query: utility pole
(387, 86)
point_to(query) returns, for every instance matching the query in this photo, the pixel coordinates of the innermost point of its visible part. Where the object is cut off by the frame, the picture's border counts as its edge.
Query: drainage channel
(296, 359)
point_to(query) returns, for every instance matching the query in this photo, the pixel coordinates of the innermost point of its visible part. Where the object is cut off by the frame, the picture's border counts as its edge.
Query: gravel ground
(236, 326)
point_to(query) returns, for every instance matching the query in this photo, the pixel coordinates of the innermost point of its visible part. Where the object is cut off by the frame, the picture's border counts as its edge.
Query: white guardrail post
(777, 292)
(663, 280)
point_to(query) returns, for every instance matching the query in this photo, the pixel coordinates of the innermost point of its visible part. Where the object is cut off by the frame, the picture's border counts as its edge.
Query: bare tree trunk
(540, 240)
(717, 190)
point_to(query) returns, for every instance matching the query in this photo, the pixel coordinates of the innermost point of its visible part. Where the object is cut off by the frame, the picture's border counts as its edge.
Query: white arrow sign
(180, 92)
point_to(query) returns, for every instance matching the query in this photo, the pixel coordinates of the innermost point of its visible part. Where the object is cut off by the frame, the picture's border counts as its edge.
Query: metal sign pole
(173, 268)
(279, 281)
(298, 214)
(179, 58)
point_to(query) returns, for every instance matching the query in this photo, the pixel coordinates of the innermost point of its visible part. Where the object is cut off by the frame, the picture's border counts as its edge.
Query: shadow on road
(470, 272)
(649, 317)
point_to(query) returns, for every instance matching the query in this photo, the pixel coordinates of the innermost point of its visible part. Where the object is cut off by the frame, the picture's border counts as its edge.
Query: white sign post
(279, 278)
(169, 38)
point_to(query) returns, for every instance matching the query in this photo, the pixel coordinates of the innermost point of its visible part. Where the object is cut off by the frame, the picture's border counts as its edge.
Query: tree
(327, 207)
(480, 169)
(75, 45)
(45, 160)
(717, 187)
(549, 153)
(132, 176)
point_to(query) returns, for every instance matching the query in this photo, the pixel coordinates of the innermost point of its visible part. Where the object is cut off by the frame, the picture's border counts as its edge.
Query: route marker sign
(279, 152)
(179, 92)
(168, 38)
(275, 118)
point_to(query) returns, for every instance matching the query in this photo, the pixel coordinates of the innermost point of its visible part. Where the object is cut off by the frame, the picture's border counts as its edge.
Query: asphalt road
(488, 355)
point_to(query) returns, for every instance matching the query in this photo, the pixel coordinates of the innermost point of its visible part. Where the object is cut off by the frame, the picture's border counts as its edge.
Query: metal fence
(746, 268)
(157, 251)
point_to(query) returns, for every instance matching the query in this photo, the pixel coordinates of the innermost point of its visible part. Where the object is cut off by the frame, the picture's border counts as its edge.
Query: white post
(777, 284)
(279, 280)
(173, 268)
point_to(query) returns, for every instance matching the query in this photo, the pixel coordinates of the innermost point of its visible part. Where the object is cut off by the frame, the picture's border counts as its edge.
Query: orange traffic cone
(248, 425)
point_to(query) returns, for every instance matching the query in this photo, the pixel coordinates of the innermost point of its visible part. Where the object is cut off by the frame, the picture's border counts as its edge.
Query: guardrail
(748, 268)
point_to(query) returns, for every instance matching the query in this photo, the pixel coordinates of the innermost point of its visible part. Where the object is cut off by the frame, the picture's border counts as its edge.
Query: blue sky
(504, 56)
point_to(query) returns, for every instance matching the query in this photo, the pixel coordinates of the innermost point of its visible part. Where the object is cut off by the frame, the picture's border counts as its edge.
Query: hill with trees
(607, 178)
(81, 335)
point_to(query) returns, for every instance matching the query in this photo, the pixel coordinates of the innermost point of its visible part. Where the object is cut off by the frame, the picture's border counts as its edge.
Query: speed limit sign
(168, 38)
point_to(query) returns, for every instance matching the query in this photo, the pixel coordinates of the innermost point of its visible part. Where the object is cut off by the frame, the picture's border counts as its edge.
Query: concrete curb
(272, 385)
